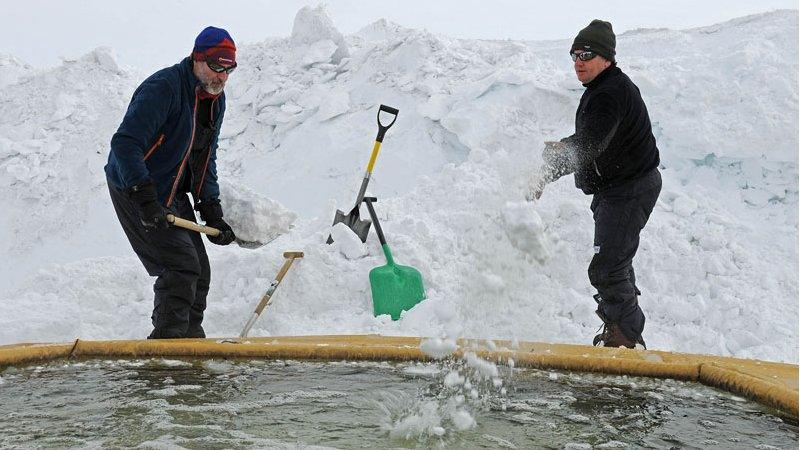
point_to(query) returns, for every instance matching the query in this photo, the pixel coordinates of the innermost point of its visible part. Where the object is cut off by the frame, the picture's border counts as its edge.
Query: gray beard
(211, 90)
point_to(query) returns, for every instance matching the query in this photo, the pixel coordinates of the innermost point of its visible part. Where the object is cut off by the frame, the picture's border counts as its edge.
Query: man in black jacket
(613, 156)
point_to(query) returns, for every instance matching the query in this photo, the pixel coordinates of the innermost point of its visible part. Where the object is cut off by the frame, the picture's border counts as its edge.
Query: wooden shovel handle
(189, 225)
(284, 269)
(289, 259)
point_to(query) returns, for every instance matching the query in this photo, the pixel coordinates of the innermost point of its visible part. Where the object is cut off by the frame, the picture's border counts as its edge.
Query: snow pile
(54, 136)
(717, 264)
(12, 70)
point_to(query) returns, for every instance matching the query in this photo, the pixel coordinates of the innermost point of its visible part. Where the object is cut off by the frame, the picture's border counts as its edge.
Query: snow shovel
(290, 257)
(395, 288)
(211, 231)
(353, 220)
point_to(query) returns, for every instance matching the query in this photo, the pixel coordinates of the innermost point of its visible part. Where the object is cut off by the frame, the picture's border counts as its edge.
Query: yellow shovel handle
(375, 150)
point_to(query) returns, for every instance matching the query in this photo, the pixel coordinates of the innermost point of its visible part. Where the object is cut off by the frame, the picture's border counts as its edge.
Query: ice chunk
(525, 230)
(312, 25)
(347, 242)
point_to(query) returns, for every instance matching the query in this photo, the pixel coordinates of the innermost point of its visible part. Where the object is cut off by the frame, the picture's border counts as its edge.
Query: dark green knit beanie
(598, 37)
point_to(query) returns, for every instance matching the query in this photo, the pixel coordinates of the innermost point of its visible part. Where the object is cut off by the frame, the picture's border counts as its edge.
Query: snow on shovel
(395, 288)
(353, 220)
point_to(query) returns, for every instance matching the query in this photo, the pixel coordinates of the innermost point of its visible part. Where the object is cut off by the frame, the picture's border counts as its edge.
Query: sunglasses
(218, 68)
(583, 56)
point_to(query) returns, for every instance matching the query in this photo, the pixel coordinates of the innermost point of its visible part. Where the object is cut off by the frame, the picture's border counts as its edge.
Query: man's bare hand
(535, 188)
(555, 145)
(552, 151)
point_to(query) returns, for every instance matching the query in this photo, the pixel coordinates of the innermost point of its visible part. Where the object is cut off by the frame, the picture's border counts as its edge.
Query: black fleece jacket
(613, 141)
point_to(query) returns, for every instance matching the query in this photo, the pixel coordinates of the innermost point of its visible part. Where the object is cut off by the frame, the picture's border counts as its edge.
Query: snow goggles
(219, 68)
(583, 56)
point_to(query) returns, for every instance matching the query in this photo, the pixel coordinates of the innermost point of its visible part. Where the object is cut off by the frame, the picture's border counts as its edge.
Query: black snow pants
(620, 213)
(178, 258)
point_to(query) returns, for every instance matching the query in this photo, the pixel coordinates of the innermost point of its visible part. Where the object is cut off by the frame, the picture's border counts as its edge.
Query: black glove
(151, 213)
(225, 235)
(211, 213)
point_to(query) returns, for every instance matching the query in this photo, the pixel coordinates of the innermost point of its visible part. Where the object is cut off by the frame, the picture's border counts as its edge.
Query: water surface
(210, 404)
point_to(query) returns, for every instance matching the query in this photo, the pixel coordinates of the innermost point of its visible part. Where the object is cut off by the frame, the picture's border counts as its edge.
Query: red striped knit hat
(214, 44)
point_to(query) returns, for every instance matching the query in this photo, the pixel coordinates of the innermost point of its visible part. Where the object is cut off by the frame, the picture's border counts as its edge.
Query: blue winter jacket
(154, 140)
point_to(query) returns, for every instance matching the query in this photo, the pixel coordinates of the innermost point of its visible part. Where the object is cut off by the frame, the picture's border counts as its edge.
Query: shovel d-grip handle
(189, 225)
(382, 129)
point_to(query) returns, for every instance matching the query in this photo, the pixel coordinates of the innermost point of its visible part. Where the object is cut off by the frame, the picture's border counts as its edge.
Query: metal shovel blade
(354, 222)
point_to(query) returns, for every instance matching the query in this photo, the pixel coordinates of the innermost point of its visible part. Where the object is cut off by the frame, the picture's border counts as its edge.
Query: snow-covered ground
(718, 263)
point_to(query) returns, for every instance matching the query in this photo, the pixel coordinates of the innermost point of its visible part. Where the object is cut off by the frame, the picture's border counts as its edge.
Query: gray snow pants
(620, 213)
(178, 258)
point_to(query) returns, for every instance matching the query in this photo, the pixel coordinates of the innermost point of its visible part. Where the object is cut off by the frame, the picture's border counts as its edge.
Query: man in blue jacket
(165, 149)
(614, 157)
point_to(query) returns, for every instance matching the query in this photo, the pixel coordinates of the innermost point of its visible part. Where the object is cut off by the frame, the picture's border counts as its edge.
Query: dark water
(170, 403)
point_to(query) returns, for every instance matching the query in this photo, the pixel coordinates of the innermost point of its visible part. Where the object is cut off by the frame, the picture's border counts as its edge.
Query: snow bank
(12, 69)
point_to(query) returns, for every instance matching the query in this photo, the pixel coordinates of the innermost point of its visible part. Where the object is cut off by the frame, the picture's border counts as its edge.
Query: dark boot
(196, 331)
(614, 334)
(165, 333)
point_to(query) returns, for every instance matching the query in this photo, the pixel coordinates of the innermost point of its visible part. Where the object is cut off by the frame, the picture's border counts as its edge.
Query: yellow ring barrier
(770, 383)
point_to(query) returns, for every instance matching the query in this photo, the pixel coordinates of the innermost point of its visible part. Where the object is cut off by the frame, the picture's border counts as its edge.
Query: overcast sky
(152, 33)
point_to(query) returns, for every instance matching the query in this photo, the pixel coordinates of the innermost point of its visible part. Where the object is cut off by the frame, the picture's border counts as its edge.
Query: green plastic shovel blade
(395, 288)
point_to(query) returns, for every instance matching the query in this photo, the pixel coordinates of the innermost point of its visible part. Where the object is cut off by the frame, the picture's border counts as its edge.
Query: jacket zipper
(208, 157)
(157, 144)
(186, 155)
(202, 178)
